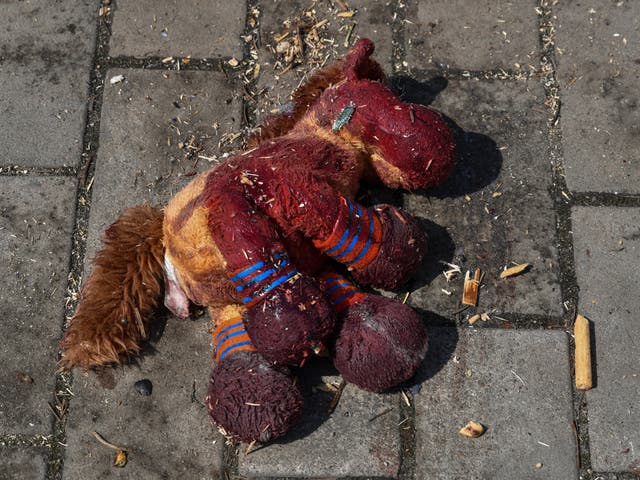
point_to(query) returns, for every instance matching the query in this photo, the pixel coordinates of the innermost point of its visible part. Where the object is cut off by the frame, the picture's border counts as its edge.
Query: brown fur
(122, 293)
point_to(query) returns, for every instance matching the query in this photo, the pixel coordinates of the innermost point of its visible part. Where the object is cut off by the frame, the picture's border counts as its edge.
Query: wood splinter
(583, 353)
(471, 286)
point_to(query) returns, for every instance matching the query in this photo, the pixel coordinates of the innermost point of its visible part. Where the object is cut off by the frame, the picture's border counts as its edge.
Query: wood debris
(515, 270)
(452, 272)
(405, 397)
(116, 79)
(121, 459)
(474, 318)
(250, 447)
(121, 455)
(384, 412)
(305, 42)
(472, 430)
(583, 353)
(471, 287)
(336, 398)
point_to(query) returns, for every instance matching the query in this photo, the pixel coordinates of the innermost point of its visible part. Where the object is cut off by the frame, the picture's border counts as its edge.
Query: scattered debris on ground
(120, 459)
(515, 270)
(582, 353)
(472, 430)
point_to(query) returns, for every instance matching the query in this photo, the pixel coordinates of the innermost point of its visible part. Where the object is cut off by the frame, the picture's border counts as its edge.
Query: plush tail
(123, 292)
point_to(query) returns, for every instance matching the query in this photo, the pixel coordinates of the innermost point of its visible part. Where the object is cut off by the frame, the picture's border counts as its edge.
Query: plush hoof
(290, 322)
(249, 399)
(402, 250)
(381, 343)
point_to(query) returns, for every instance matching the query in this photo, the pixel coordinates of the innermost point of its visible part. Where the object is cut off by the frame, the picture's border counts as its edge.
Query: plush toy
(267, 240)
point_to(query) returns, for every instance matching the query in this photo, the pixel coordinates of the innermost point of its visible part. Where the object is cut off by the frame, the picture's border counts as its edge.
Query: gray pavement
(107, 105)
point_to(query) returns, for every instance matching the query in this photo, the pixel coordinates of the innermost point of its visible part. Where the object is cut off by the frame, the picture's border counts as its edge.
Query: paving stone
(36, 222)
(167, 434)
(471, 35)
(515, 383)
(345, 443)
(145, 119)
(598, 61)
(373, 20)
(607, 253)
(45, 56)
(496, 208)
(22, 463)
(198, 28)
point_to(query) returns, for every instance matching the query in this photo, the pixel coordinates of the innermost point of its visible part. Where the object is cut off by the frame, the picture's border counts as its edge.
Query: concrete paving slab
(346, 443)
(46, 54)
(22, 463)
(36, 222)
(198, 28)
(607, 252)
(496, 208)
(146, 148)
(516, 384)
(598, 61)
(476, 35)
(168, 434)
(373, 19)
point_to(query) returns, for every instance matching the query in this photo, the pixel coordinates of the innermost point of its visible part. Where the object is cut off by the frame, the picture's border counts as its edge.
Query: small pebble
(538, 466)
(144, 387)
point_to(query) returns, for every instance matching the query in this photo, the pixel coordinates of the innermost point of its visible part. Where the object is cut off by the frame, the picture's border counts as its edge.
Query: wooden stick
(471, 286)
(583, 353)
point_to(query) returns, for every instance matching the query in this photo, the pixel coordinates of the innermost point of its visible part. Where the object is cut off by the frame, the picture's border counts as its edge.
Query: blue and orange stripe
(256, 280)
(340, 291)
(355, 241)
(229, 337)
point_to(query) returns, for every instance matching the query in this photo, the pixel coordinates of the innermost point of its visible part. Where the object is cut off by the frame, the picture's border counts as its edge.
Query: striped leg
(381, 246)
(340, 292)
(248, 398)
(258, 279)
(230, 337)
(380, 342)
(287, 316)
(356, 237)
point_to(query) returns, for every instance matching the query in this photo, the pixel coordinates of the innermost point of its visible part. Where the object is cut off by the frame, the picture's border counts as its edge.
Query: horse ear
(358, 65)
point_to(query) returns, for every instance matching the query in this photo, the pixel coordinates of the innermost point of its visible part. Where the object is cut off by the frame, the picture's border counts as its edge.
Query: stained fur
(123, 292)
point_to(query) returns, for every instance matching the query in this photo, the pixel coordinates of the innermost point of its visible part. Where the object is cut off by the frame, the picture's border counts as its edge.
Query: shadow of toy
(105, 375)
(441, 248)
(478, 159)
(317, 398)
(442, 345)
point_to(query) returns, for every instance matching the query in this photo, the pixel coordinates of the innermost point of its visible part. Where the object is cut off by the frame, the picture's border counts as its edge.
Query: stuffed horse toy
(274, 244)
